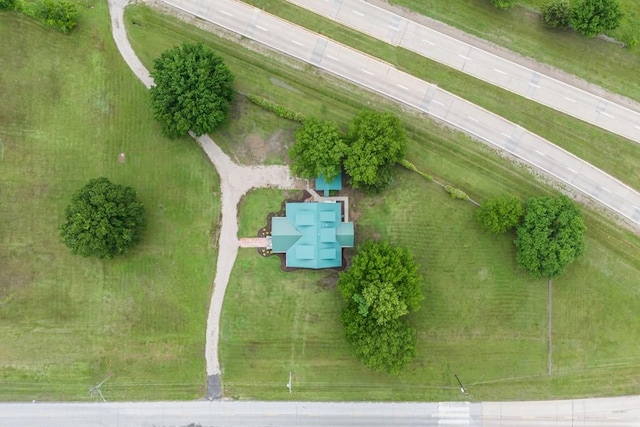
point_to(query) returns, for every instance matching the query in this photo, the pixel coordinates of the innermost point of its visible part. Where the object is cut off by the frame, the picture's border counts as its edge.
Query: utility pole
(289, 383)
(462, 389)
(96, 388)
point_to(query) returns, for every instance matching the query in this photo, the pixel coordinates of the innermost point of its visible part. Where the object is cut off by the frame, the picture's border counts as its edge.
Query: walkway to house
(235, 181)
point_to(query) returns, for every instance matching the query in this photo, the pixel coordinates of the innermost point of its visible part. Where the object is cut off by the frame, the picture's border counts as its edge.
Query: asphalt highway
(608, 412)
(384, 79)
(397, 30)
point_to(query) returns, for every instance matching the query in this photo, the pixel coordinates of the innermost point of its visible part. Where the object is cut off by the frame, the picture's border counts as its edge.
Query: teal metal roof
(326, 186)
(312, 235)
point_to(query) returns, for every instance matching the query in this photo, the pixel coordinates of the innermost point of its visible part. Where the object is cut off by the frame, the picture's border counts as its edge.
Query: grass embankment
(520, 29)
(611, 153)
(70, 106)
(482, 318)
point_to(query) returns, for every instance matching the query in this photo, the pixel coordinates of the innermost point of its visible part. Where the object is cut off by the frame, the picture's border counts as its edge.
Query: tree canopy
(376, 143)
(318, 150)
(380, 288)
(103, 220)
(500, 215)
(592, 17)
(193, 90)
(61, 15)
(550, 236)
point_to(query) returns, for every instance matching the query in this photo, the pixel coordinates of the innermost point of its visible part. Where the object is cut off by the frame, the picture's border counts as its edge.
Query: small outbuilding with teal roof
(312, 235)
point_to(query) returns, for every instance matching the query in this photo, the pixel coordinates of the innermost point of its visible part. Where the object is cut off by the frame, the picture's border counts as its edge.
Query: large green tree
(550, 236)
(500, 215)
(103, 220)
(193, 90)
(318, 150)
(377, 141)
(380, 288)
(592, 17)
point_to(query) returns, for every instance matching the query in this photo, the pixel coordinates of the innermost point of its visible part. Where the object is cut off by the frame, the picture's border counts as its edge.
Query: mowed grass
(69, 106)
(520, 29)
(482, 318)
(611, 153)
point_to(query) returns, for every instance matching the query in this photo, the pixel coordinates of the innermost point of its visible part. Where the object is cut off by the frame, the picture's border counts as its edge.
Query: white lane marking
(576, 172)
(333, 57)
(437, 102)
(472, 118)
(368, 72)
(392, 27)
(427, 41)
(357, 13)
(540, 152)
(607, 114)
(466, 58)
(569, 99)
(534, 85)
(261, 28)
(637, 127)
(606, 189)
(505, 134)
(297, 42)
(499, 71)
(225, 13)
(402, 87)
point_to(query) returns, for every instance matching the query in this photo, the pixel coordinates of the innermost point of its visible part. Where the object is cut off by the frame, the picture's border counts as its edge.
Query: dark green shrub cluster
(7, 4)
(557, 15)
(277, 109)
(503, 4)
(61, 15)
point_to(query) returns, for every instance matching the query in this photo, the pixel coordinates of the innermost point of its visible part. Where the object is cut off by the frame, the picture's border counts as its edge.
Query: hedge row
(277, 109)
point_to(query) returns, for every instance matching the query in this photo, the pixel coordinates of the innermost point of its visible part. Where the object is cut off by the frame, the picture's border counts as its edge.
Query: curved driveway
(397, 30)
(385, 79)
(235, 181)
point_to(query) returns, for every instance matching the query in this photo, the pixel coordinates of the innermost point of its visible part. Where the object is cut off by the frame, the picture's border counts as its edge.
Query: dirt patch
(257, 149)
(14, 274)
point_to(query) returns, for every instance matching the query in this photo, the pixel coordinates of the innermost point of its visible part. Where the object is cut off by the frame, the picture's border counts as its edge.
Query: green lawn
(613, 154)
(69, 106)
(521, 30)
(482, 318)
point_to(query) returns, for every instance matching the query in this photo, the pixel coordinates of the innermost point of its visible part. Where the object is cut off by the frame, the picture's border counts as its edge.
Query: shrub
(455, 193)
(7, 4)
(408, 165)
(62, 16)
(503, 4)
(500, 215)
(277, 109)
(557, 15)
(592, 17)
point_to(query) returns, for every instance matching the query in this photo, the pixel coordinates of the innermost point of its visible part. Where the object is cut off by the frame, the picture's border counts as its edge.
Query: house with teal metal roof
(326, 186)
(312, 235)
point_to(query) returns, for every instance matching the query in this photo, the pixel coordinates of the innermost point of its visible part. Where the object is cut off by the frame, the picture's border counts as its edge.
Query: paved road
(610, 412)
(387, 80)
(397, 30)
